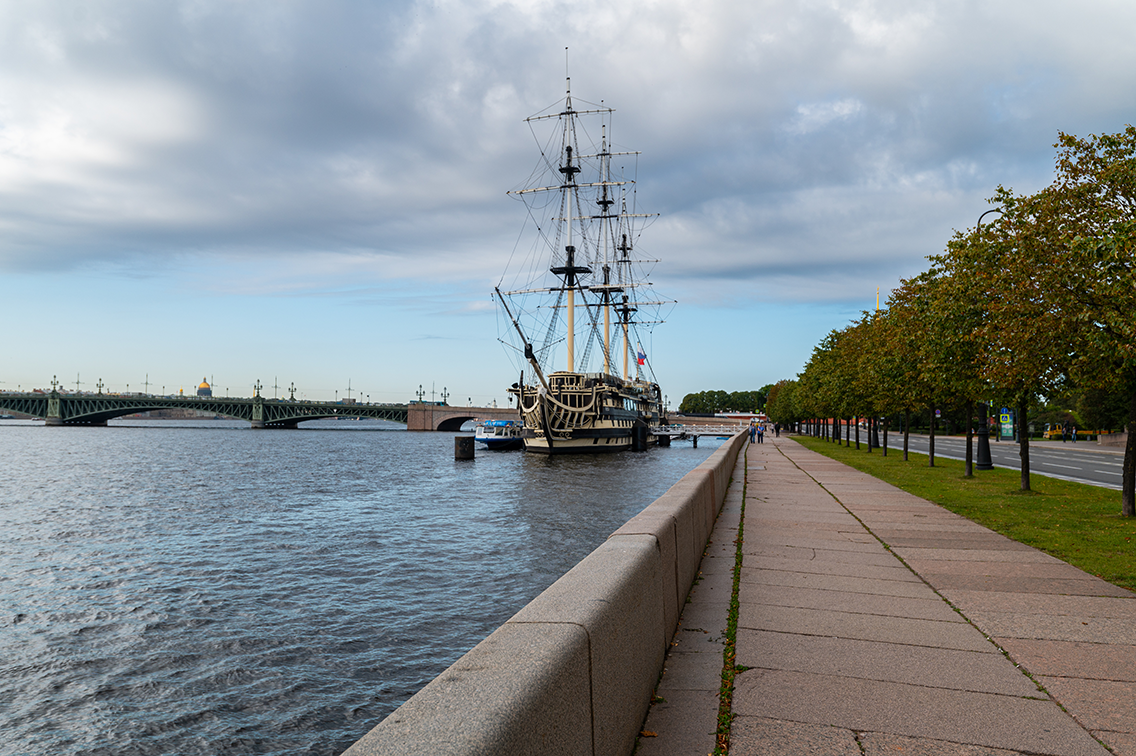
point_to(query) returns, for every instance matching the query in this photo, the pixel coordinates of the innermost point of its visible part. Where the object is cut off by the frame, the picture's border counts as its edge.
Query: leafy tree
(780, 403)
(709, 402)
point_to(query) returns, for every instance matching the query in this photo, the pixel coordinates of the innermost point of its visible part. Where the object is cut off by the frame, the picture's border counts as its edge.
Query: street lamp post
(984, 461)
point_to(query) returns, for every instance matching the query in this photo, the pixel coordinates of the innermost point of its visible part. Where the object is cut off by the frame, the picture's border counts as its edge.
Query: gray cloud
(810, 148)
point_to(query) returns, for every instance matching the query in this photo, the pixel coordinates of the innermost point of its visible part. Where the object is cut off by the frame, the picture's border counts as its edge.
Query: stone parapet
(1113, 439)
(571, 674)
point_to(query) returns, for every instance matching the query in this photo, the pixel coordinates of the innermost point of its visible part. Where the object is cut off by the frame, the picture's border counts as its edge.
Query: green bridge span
(95, 409)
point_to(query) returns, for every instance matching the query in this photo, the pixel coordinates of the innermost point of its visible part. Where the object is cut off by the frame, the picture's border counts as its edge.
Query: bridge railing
(700, 430)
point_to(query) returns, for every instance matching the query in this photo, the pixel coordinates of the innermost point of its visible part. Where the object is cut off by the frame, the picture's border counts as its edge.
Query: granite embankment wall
(572, 672)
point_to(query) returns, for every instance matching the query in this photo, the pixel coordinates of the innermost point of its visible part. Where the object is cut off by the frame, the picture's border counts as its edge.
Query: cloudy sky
(314, 192)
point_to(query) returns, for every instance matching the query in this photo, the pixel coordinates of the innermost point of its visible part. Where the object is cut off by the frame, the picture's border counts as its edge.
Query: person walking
(752, 431)
(760, 433)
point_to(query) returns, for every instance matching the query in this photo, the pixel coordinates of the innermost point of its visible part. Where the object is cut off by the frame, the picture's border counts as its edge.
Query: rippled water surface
(195, 587)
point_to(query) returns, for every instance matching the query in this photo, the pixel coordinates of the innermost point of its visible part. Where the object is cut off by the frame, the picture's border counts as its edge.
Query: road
(1083, 462)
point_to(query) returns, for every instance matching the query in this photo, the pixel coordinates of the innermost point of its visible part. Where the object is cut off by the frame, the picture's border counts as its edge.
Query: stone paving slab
(770, 528)
(1022, 556)
(872, 558)
(966, 539)
(835, 542)
(946, 584)
(896, 573)
(698, 670)
(758, 736)
(887, 662)
(685, 722)
(1071, 659)
(1056, 569)
(885, 533)
(879, 744)
(707, 617)
(998, 721)
(834, 582)
(1121, 743)
(1102, 630)
(806, 517)
(941, 520)
(1097, 704)
(915, 632)
(1081, 606)
(927, 607)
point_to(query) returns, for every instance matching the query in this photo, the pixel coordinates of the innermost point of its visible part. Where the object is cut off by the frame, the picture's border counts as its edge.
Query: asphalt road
(1083, 462)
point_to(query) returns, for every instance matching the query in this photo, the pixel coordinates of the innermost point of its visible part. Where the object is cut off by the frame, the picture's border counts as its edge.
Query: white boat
(499, 435)
(586, 292)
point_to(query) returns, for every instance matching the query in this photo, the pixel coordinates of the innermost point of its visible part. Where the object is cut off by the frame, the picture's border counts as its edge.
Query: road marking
(1071, 479)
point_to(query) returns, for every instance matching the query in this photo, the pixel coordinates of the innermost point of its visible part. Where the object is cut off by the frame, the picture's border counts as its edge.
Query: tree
(1092, 210)
(780, 403)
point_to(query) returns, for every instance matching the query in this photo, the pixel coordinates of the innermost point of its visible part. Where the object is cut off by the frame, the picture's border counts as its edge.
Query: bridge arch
(455, 423)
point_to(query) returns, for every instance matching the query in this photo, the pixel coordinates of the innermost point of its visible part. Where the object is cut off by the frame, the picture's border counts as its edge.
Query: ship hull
(588, 414)
(577, 445)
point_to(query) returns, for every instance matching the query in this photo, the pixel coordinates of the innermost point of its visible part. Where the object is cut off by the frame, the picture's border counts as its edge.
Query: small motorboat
(498, 435)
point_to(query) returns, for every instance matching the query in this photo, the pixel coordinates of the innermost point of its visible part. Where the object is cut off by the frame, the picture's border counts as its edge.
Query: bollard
(463, 447)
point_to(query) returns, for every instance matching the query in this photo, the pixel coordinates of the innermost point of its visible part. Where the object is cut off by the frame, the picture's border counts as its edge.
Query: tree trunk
(969, 438)
(931, 440)
(906, 431)
(871, 419)
(847, 435)
(856, 420)
(887, 422)
(1023, 441)
(1128, 480)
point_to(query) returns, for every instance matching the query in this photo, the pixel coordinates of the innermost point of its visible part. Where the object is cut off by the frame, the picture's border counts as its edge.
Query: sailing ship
(584, 297)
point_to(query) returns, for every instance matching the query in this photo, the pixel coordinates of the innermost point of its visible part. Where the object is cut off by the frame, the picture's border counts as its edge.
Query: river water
(196, 587)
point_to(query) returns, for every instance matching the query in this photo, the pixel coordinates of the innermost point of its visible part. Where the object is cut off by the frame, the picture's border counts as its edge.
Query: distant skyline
(315, 192)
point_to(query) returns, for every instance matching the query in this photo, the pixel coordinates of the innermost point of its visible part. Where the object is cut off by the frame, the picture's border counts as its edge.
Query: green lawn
(1074, 522)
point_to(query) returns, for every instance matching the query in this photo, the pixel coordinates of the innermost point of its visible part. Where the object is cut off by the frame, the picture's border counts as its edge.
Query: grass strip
(729, 669)
(1077, 523)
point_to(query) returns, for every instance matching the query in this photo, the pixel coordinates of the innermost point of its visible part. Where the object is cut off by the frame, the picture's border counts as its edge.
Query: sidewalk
(874, 622)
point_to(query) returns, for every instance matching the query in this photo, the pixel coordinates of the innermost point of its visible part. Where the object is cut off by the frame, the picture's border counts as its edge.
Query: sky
(314, 193)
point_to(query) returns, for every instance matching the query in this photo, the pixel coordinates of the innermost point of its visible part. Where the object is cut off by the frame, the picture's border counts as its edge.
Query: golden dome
(204, 384)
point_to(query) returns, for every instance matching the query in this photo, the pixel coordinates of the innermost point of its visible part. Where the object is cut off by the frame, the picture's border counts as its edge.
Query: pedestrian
(1074, 434)
(777, 430)
(752, 431)
(1065, 432)
(760, 433)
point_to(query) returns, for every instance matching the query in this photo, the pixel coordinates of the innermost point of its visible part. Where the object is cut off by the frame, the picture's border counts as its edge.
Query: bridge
(58, 408)
(424, 416)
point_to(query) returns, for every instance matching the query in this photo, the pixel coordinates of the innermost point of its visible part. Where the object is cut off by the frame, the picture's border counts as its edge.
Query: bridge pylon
(258, 409)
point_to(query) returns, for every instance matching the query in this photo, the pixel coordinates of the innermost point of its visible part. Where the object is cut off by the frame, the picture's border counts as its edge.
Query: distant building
(204, 389)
